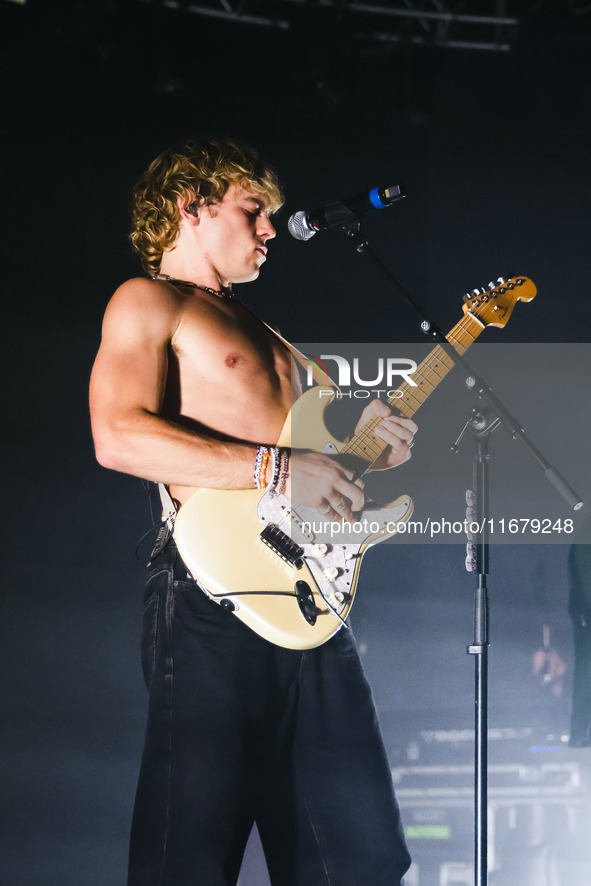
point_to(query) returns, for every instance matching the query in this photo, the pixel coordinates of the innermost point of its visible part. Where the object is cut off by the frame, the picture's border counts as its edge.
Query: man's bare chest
(225, 361)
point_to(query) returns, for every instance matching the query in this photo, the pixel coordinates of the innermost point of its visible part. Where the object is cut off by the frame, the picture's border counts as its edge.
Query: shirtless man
(186, 387)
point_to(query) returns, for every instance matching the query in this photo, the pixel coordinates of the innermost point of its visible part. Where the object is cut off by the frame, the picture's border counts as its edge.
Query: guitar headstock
(493, 306)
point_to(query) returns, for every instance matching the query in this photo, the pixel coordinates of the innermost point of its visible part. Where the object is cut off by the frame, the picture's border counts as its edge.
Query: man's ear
(189, 208)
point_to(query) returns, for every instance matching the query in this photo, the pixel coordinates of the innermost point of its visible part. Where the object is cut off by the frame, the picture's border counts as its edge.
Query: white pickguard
(331, 549)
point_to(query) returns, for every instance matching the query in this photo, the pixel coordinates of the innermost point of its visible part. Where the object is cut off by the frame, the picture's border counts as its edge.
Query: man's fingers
(322, 483)
(353, 499)
(396, 431)
(343, 500)
(338, 510)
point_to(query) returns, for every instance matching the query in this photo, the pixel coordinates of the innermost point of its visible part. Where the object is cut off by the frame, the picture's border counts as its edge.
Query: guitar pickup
(282, 545)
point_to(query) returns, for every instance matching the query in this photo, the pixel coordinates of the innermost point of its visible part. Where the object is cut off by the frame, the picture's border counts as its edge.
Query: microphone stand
(483, 421)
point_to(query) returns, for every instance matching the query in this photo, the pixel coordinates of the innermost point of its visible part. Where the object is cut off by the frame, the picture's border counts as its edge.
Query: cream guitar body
(283, 570)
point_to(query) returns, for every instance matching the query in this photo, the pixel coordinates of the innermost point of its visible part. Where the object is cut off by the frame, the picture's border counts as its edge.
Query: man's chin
(248, 277)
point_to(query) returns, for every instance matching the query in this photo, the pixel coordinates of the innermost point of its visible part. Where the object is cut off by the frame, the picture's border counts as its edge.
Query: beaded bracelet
(279, 471)
(284, 473)
(277, 458)
(260, 474)
(263, 469)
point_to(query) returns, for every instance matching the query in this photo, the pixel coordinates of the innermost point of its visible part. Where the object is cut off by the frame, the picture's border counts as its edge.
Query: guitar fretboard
(366, 445)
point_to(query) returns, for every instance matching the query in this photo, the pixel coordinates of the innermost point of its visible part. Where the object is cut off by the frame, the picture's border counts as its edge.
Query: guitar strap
(318, 375)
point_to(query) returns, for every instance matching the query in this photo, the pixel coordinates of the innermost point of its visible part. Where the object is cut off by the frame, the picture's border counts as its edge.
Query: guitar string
(427, 367)
(361, 441)
(439, 356)
(460, 337)
(434, 359)
(427, 371)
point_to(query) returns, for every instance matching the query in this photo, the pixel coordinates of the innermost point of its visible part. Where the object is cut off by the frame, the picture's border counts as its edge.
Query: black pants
(240, 730)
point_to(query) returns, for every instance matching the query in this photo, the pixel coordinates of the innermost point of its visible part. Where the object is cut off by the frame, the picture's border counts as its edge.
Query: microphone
(303, 225)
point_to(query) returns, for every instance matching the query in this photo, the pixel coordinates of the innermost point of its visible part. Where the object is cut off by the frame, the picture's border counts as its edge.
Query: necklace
(221, 293)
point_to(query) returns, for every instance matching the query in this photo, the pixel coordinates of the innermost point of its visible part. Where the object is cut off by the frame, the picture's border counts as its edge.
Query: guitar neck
(365, 446)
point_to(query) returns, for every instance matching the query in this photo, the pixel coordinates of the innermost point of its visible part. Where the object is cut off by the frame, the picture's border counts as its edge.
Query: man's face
(233, 234)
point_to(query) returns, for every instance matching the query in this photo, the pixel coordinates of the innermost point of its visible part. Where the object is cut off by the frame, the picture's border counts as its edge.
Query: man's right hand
(320, 482)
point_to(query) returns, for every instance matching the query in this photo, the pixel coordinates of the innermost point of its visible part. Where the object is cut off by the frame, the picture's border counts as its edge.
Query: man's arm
(126, 394)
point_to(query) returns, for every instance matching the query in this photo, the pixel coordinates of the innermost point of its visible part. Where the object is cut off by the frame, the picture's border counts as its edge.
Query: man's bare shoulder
(145, 296)
(141, 307)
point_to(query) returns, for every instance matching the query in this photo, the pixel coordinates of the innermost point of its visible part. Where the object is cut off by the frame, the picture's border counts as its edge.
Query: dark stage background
(494, 148)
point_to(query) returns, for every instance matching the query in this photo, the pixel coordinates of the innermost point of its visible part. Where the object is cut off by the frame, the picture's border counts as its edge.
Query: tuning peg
(466, 296)
(492, 284)
(501, 280)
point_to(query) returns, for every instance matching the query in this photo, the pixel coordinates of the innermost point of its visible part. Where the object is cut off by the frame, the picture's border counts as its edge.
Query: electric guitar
(283, 569)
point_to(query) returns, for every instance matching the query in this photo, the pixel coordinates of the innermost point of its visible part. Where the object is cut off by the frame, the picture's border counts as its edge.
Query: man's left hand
(397, 432)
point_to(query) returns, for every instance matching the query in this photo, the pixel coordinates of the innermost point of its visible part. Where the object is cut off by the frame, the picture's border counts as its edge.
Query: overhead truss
(464, 24)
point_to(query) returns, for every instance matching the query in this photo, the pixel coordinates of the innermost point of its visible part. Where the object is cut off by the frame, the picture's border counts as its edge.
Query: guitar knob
(331, 573)
(335, 600)
(319, 550)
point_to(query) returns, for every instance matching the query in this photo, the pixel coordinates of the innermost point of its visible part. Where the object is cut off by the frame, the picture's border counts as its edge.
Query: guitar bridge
(282, 545)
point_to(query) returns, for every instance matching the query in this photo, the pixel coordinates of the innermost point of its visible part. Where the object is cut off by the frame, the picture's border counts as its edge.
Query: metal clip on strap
(168, 508)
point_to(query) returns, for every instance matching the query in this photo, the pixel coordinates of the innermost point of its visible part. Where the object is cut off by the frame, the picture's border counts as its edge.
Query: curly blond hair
(199, 170)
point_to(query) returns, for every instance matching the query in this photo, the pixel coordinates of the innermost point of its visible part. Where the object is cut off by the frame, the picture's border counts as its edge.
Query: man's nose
(266, 229)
